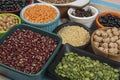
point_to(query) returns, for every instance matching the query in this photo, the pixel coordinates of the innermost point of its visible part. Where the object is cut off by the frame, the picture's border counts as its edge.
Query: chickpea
(96, 44)
(108, 31)
(111, 45)
(106, 50)
(106, 40)
(110, 35)
(98, 33)
(113, 51)
(101, 48)
(104, 34)
(104, 45)
(118, 42)
(97, 39)
(112, 39)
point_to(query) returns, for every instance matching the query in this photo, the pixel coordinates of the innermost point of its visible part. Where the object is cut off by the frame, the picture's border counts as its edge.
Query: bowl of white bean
(106, 42)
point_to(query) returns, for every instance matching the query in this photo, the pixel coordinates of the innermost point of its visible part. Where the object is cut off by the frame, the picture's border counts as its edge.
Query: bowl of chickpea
(41, 15)
(8, 20)
(106, 42)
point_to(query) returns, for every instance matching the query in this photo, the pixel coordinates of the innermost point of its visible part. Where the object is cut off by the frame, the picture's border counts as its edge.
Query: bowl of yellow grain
(73, 33)
(42, 15)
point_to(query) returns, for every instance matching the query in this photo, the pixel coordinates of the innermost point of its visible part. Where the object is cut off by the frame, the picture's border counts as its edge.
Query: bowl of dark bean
(26, 52)
(108, 19)
(13, 5)
(106, 42)
(84, 15)
(8, 20)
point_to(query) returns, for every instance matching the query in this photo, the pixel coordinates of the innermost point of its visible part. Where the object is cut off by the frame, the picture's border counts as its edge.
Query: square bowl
(20, 75)
(68, 48)
(68, 24)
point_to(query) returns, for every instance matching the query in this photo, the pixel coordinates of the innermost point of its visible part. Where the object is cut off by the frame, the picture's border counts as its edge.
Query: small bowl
(115, 57)
(103, 14)
(17, 10)
(74, 24)
(4, 14)
(48, 26)
(84, 20)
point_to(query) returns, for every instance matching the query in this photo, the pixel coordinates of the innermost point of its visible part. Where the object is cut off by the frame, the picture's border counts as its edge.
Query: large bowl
(103, 14)
(48, 26)
(84, 20)
(115, 57)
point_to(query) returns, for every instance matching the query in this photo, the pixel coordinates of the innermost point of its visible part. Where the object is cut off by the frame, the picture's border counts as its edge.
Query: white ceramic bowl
(84, 20)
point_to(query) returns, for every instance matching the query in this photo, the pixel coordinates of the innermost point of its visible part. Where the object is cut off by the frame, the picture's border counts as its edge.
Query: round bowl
(4, 14)
(103, 14)
(17, 10)
(74, 24)
(48, 26)
(84, 20)
(102, 52)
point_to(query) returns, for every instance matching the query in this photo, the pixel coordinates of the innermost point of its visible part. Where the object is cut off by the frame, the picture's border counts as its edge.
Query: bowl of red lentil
(42, 15)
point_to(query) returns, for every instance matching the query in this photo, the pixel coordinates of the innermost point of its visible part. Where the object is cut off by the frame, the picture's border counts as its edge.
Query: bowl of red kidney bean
(13, 5)
(108, 19)
(26, 52)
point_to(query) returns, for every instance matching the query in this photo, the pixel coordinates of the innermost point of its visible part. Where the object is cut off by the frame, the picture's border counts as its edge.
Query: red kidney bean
(27, 51)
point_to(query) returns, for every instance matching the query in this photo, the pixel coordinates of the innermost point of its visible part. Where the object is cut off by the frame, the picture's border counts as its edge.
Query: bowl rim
(92, 42)
(17, 10)
(102, 14)
(91, 7)
(33, 23)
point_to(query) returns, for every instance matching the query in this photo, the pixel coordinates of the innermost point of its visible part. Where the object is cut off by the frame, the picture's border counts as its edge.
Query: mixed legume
(26, 51)
(75, 67)
(59, 1)
(40, 13)
(7, 21)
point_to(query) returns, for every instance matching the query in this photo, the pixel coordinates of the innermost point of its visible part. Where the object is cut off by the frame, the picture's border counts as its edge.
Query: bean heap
(108, 40)
(10, 5)
(75, 67)
(109, 20)
(7, 21)
(82, 12)
(26, 51)
(59, 1)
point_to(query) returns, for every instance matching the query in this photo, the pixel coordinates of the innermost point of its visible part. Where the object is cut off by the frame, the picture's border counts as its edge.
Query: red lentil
(40, 13)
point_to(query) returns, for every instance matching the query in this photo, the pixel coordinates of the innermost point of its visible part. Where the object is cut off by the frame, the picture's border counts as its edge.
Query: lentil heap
(26, 51)
(59, 1)
(108, 40)
(75, 67)
(7, 21)
(74, 35)
(40, 13)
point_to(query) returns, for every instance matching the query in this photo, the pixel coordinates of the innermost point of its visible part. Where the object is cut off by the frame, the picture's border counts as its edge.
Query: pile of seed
(7, 21)
(26, 51)
(75, 67)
